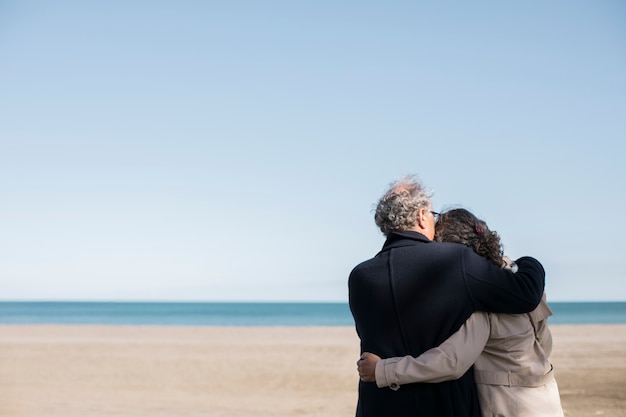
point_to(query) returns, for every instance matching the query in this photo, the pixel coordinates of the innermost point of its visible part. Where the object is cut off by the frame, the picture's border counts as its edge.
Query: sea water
(247, 314)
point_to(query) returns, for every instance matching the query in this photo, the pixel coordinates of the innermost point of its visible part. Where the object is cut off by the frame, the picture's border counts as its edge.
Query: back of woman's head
(461, 226)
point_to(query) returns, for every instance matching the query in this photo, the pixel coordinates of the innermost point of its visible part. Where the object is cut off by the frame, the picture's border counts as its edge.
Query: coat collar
(404, 238)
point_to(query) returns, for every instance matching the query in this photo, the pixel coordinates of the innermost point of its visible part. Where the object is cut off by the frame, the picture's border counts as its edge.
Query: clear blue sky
(233, 151)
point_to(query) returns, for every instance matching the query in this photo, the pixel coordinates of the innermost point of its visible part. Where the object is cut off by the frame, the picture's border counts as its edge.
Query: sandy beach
(78, 371)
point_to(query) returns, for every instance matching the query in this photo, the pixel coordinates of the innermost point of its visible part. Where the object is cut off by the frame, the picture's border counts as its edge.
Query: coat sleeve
(498, 290)
(450, 360)
(539, 320)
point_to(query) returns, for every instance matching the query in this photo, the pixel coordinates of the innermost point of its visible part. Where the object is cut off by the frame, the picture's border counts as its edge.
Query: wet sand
(67, 371)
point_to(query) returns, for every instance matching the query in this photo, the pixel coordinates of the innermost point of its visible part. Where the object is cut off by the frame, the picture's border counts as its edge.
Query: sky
(234, 151)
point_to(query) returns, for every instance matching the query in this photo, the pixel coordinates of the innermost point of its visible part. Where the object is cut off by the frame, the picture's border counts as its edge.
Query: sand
(67, 371)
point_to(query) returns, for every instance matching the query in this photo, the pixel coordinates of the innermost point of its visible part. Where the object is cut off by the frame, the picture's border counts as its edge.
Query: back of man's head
(398, 209)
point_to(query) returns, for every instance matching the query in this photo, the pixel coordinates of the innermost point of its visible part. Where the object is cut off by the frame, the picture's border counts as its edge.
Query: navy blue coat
(411, 297)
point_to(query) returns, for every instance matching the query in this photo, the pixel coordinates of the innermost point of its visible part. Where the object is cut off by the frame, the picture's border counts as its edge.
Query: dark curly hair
(461, 226)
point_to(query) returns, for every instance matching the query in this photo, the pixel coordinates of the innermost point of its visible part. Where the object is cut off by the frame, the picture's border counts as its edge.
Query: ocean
(246, 314)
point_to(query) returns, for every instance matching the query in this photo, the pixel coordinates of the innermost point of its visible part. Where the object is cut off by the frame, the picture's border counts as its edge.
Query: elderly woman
(509, 351)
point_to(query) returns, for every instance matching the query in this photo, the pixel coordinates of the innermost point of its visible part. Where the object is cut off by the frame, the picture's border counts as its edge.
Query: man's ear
(421, 218)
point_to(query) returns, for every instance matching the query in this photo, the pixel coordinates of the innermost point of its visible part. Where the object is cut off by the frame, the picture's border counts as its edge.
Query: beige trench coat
(511, 367)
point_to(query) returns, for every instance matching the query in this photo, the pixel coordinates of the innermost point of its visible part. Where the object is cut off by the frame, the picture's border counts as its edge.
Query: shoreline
(238, 371)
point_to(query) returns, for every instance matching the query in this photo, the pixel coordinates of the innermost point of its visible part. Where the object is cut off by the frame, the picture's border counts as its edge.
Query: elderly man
(415, 293)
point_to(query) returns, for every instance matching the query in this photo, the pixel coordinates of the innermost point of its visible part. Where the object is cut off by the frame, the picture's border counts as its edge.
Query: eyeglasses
(436, 215)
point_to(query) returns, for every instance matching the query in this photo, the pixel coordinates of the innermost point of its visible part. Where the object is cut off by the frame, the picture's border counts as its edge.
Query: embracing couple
(425, 310)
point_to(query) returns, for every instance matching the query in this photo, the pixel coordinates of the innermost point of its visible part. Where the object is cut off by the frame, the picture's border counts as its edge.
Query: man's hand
(367, 366)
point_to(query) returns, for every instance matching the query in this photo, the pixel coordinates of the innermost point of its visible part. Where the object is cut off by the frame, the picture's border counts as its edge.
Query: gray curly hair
(398, 208)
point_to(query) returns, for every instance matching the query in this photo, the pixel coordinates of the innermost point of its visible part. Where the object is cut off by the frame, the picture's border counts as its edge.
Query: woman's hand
(367, 366)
